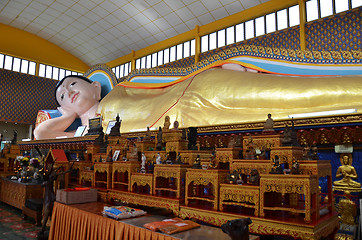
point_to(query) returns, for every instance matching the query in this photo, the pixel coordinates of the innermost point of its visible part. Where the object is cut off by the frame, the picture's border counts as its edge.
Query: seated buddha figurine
(147, 137)
(166, 124)
(250, 149)
(347, 172)
(268, 125)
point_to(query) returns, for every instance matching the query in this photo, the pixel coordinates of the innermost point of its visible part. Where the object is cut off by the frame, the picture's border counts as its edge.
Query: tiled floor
(12, 225)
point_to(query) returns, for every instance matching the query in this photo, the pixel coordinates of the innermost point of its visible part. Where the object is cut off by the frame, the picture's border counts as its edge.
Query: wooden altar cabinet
(102, 175)
(121, 174)
(169, 179)
(240, 195)
(203, 186)
(263, 142)
(77, 168)
(306, 185)
(15, 193)
(142, 183)
(86, 178)
(320, 168)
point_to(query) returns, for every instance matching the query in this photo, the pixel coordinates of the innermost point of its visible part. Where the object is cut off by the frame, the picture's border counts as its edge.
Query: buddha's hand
(67, 112)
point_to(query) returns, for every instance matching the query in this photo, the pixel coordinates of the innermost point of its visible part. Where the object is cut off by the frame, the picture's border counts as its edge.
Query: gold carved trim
(150, 201)
(239, 196)
(354, 118)
(165, 174)
(201, 180)
(265, 227)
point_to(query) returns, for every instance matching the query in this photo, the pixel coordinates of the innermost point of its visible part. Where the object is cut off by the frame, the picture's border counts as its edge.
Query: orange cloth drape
(69, 223)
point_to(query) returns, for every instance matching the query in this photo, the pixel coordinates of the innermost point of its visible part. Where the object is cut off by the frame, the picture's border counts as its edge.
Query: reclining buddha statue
(220, 96)
(225, 94)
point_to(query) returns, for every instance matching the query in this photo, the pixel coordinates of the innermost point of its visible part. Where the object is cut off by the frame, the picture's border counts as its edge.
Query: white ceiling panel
(234, 7)
(20, 22)
(249, 3)
(219, 13)
(192, 23)
(185, 14)
(206, 18)
(162, 8)
(197, 8)
(174, 4)
(211, 5)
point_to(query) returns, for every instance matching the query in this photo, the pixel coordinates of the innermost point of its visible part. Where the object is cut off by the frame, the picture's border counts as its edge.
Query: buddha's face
(345, 160)
(78, 95)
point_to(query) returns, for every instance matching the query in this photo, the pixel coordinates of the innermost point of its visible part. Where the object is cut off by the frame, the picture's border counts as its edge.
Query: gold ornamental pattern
(245, 166)
(290, 186)
(86, 175)
(166, 174)
(209, 217)
(260, 226)
(120, 169)
(302, 232)
(143, 180)
(240, 195)
(123, 167)
(284, 188)
(151, 201)
(237, 197)
(101, 169)
(224, 157)
(201, 180)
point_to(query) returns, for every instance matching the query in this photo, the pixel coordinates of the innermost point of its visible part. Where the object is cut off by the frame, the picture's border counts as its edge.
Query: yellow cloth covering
(219, 96)
(70, 223)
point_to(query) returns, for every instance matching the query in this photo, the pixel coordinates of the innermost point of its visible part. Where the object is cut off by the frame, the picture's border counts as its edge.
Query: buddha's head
(77, 93)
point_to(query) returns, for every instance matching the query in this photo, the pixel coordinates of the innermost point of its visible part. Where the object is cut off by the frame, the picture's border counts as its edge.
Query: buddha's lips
(75, 97)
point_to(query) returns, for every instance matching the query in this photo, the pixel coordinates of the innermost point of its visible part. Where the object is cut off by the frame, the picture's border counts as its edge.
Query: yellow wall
(22, 44)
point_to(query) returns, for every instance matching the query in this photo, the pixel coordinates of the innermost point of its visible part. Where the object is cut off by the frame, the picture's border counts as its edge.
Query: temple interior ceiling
(101, 31)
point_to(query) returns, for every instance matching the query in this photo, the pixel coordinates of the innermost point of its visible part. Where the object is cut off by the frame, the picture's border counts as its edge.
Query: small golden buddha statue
(347, 210)
(166, 124)
(348, 172)
(250, 149)
(220, 143)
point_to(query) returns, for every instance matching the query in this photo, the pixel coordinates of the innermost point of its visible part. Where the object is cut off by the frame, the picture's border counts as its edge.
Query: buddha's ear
(98, 87)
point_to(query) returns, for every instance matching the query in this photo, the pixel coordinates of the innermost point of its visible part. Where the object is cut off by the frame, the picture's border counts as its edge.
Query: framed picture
(95, 122)
(80, 131)
(115, 155)
(110, 125)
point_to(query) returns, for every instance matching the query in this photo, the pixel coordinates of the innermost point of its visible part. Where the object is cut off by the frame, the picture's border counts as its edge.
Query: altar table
(16, 193)
(306, 185)
(85, 221)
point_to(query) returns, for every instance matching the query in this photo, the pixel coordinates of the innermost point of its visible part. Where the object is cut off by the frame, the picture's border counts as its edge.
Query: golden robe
(219, 96)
